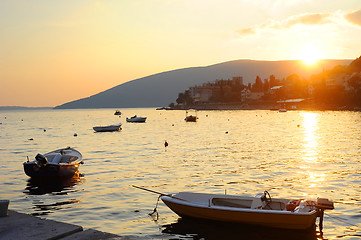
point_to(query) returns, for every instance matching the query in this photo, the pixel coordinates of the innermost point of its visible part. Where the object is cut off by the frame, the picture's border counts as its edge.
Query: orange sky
(52, 52)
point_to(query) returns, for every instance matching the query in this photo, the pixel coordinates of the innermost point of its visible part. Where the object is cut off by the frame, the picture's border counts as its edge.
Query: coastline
(273, 107)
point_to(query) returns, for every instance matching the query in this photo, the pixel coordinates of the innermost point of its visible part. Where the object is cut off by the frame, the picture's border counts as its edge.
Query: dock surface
(24, 226)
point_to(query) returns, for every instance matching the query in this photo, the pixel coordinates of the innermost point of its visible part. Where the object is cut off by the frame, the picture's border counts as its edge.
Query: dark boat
(59, 163)
(117, 112)
(190, 117)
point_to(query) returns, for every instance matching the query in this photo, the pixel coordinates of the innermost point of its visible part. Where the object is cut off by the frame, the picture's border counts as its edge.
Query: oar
(162, 194)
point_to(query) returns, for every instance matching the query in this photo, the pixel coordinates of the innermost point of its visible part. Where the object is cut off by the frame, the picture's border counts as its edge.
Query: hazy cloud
(304, 19)
(354, 17)
(246, 31)
(309, 19)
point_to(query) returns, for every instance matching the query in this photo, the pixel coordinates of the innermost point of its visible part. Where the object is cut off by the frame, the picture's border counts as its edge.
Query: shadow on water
(208, 230)
(52, 186)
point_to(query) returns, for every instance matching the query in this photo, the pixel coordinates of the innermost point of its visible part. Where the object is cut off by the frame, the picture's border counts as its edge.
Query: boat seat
(56, 158)
(277, 205)
(228, 203)
(257, 202)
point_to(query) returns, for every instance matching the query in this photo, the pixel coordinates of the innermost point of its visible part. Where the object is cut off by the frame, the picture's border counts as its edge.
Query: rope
(341, 220)
(155, 210)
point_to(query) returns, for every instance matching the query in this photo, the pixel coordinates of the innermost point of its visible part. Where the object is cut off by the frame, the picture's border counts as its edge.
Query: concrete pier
(24, 226)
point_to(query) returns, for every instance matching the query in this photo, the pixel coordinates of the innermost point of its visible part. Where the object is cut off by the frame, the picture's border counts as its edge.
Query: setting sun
(310, 54)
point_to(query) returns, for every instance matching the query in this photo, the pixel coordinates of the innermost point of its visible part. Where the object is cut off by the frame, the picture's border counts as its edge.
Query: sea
(294, 154)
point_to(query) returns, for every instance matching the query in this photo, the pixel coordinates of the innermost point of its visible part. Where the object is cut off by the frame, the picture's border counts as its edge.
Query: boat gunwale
(76, 161)
(208, 206)
(113, 125)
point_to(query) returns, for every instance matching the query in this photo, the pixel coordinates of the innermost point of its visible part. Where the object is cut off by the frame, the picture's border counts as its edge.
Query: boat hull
(50, 170)
(191, 119)
(267, 218)
(137, 120)
(107, 128)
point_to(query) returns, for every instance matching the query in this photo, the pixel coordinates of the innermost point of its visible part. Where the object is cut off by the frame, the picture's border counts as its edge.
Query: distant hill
(163, 88)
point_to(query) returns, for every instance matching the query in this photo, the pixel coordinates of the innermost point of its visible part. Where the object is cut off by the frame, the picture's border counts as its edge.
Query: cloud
(354, 17)
(309, 19)
(246, 31)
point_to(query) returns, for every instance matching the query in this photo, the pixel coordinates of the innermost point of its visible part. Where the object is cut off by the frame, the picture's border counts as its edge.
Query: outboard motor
(41, 159)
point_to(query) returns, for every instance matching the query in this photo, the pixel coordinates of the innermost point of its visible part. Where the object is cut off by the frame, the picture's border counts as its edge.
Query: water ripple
(296, 154)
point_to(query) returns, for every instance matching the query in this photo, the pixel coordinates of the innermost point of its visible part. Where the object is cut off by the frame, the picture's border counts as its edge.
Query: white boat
(136, 119)
(282, 110)
(259, 210)
(110, 128)
(59, 163)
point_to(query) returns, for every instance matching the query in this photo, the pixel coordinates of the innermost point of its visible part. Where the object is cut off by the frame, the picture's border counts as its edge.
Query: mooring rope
(341, 220)
(155, 210)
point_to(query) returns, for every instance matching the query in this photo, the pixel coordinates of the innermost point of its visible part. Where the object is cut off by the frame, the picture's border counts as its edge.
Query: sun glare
(310, 54)
(310, 123)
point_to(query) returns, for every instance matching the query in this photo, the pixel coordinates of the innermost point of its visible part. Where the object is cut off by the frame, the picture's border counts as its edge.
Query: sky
(53, 52)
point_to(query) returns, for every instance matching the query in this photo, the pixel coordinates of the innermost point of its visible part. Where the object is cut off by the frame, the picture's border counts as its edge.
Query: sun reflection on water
(311, 150)
(310, 123)
(315, 178)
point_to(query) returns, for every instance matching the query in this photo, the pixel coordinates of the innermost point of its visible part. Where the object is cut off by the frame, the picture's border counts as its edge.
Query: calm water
(294, 154)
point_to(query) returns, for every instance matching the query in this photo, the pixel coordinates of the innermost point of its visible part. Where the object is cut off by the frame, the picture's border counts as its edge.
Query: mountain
(163, 88)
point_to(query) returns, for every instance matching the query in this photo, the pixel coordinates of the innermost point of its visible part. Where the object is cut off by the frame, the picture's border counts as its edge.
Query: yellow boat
(259, 210)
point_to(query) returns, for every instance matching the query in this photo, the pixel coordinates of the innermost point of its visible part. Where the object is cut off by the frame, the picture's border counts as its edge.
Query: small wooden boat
(59, 163)
(110, 128)
(259, 210)
(136, 119)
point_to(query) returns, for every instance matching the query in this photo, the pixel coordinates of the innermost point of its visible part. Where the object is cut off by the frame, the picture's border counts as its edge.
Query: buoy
(165, 144)
(75, 134)
(44, 130)
(226, 132)
(298, 125)
(31, 139)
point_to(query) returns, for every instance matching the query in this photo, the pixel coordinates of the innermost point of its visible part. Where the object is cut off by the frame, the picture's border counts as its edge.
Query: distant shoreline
(262, 107)
(202, 107)
(22, 108)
